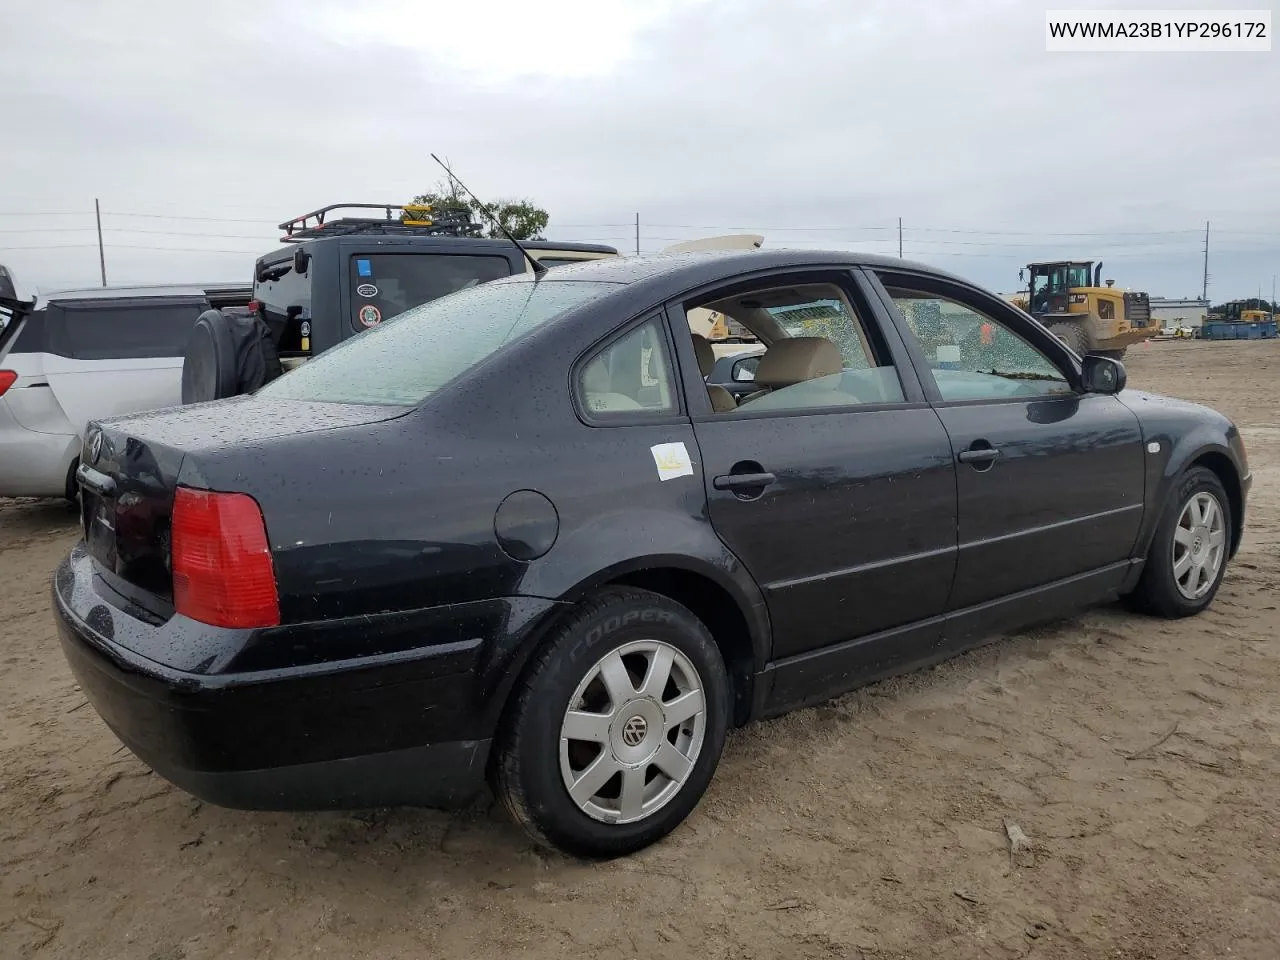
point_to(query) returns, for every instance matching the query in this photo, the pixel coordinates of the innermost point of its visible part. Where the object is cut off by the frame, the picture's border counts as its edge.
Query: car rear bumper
(409, 729)
(33, 464)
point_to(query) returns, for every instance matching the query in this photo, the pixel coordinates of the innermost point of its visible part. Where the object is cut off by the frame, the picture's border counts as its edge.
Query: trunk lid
(130, 469)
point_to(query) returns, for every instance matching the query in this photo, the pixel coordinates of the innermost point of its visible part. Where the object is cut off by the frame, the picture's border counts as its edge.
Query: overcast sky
(814, 123)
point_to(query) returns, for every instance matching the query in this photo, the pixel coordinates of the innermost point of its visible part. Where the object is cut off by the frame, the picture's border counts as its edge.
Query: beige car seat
(597, 388)
(794, 360)
(721, 399)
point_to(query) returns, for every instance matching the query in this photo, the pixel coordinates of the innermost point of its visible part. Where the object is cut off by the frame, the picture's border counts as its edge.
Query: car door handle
(980, 455)
(743, 481)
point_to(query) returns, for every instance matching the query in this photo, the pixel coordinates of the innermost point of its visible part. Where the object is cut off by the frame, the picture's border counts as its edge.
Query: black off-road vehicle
(336, 276)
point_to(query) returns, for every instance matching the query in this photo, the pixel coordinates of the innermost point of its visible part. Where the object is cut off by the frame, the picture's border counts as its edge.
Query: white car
(88, 354)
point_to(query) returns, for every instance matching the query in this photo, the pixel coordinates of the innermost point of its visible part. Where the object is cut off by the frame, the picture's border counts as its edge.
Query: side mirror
(1103, 375)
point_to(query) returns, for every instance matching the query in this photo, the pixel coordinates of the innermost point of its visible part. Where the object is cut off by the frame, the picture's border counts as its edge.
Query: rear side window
(121, 329)
(630, 376)
(385, 285)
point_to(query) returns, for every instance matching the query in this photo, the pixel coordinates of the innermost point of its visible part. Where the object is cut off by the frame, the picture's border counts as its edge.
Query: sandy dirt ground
(1141, 758)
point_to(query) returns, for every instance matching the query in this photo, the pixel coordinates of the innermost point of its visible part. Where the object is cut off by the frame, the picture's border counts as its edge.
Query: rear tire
(1073, 335)
(616, 728)
(1188, 555)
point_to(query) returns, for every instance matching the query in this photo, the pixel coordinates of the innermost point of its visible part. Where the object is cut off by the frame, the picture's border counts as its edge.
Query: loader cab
(1050, 284)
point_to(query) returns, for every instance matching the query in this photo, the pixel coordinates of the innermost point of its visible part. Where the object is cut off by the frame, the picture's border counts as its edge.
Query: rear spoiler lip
(18, 311)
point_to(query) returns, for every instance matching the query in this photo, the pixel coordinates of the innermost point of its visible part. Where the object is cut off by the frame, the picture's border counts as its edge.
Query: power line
(170, 216)
(46, 229)
(187, 233)
(129, 246)
(787, 228)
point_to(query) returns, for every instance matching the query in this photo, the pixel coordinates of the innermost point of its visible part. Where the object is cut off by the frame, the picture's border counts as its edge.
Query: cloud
(818, 123)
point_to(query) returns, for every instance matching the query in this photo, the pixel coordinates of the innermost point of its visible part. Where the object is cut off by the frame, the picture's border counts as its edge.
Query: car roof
(135, 291)
(693, 268)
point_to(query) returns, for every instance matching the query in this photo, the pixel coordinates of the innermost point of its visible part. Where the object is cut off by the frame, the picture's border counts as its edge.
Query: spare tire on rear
(230, 352)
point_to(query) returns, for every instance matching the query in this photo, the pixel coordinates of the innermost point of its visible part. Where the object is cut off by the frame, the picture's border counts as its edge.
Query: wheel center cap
(636, 733)
(635, 730)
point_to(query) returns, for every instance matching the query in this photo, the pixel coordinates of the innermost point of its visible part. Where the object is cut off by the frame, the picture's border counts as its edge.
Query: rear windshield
(385, 285)
(405, 360)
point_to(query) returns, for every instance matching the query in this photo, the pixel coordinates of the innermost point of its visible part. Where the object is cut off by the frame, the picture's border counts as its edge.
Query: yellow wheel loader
(1068, 297)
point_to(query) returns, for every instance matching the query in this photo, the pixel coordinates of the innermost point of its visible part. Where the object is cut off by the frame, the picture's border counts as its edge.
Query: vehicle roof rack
(399, 219)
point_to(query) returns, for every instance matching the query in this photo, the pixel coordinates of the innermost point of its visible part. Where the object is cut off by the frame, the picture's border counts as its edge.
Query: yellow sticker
(672, 460)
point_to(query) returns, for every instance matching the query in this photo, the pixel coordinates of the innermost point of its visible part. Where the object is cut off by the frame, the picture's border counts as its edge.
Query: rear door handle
(743, 481)
(981, 455)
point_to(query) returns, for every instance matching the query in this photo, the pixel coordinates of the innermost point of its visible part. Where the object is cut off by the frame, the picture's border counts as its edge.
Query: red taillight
(222, 569)
(7, 378)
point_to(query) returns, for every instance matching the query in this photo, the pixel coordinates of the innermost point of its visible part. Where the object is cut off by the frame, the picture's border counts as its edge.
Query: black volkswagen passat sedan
(514, 535)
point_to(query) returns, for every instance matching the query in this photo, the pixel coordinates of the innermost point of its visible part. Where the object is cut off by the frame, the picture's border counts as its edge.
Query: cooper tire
(1163, 589)
(588, 707)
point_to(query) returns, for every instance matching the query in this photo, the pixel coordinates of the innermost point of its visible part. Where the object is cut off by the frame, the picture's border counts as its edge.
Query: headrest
(706, 356)
(796, 359)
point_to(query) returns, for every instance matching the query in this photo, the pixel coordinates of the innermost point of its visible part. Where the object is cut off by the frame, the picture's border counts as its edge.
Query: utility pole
(899, 238)
(1273, 298)
(102, 257)
(637, 234)
(1204, 290)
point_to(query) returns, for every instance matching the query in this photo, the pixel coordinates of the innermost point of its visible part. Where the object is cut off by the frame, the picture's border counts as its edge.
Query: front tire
(1074, 335)
(617, 727)
(1188, 555)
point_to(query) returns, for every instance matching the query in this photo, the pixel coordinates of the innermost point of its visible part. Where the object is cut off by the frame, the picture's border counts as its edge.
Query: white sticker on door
(672, 460)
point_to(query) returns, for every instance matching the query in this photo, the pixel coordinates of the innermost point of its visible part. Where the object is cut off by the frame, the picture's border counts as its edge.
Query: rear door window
(384, 285)
(283, 294)
(119, 329)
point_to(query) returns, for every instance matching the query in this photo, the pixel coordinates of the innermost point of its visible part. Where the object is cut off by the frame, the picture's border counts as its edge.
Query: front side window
(972, 355)
(405, 360)
(385, 285)
(629, 376)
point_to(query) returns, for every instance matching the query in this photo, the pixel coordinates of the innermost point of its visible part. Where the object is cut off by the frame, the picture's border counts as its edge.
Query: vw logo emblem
(95, 446)
(634, 731)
